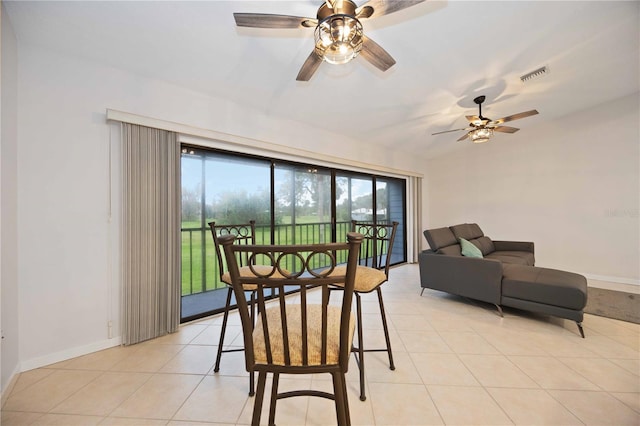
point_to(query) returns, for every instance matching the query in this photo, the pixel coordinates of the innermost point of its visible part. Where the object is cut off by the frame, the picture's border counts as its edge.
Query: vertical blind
(151, 233)
(415, 207)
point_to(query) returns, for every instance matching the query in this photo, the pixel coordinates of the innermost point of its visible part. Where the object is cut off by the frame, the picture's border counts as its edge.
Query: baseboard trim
(12, 382)
(618, 280)
(69, 353)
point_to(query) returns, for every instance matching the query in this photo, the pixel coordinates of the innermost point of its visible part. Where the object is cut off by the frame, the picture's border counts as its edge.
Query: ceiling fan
(481, 128)
(338, 32)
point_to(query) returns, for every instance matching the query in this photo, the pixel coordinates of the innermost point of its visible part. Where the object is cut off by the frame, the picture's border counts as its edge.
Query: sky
(254, 176)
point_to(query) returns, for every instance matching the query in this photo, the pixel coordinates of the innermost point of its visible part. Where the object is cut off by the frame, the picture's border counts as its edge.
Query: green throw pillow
(469, 249)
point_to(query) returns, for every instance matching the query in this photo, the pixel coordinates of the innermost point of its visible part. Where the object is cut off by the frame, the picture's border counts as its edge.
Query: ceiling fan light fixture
(338, 38)
(480, 135)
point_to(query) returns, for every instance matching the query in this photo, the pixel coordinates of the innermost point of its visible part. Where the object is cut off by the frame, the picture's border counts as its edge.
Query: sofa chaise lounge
(504, 275)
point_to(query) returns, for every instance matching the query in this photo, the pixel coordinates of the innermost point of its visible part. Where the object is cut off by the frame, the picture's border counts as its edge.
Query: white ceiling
(447, 53)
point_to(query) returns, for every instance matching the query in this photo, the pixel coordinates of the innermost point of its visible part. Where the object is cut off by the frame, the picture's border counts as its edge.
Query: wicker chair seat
(367, 278)
(314, 338)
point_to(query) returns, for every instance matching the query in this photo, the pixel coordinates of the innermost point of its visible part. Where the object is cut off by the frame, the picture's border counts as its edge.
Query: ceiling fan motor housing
(347, 8)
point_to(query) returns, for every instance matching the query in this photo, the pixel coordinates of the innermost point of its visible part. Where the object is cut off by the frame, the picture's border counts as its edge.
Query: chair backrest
(244, 233)
(377, 245)
(301, 334)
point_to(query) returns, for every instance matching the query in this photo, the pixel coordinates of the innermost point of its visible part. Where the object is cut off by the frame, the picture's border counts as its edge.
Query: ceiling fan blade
(309, 67)
(375, 8)
(376, 55)
(466, 135)
(448, 131)
(265, 20)
(505, 129)
(514, 117)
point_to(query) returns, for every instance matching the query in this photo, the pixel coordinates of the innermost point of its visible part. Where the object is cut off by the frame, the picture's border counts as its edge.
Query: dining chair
(294, 334)
(244, 234)
(372, 271)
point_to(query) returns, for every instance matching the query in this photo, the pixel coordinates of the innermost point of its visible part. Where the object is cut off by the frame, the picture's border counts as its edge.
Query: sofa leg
(422, 291)
(499, 310)
(580, 328)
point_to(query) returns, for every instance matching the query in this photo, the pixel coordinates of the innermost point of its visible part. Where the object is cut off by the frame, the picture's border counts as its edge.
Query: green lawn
(199, 262)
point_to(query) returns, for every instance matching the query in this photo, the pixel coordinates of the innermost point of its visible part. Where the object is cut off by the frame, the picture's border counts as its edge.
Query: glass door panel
(354, 201)
(226, 189)
(239, 191)
(303, 205)
(390, 202)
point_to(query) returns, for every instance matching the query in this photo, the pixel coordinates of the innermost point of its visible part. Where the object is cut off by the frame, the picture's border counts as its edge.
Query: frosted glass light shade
(481, 135)
(338, 38)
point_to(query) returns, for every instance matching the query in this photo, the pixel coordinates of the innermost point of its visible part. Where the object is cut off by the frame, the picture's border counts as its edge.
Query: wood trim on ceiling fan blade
(309, 67)
(517, 116)
(265, 20)
(465, 136)
(448, 131)
(376, 55)
(505, 129)
(375, 8)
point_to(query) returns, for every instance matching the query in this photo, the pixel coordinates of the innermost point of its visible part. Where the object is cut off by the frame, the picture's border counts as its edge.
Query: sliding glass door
(291, 204)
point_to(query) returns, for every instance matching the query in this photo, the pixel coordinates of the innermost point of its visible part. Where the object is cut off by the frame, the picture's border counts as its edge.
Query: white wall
(9, 206)
(572, 186)
(68, 288)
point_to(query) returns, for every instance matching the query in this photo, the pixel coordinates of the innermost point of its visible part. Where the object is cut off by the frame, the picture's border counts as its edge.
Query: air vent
(534, 74)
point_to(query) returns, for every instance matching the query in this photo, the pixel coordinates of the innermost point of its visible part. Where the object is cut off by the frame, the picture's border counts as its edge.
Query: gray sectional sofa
(504, 275)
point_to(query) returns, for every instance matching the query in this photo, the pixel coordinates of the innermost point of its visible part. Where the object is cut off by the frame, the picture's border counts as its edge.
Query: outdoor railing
(200, 267)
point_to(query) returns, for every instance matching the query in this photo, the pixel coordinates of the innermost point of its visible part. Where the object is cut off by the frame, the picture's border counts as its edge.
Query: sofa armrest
(476, 278)
(514, 246)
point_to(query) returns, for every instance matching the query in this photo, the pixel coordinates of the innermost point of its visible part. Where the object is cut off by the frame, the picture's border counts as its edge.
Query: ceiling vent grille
(534, 74)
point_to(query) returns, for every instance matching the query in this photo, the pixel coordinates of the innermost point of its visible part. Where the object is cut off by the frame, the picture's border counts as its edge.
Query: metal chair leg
(386, 329)
(257, 404)
(252, 307)
(225, 317)
(346, 400)
(274, 398)
(340, 398)
(360, 346)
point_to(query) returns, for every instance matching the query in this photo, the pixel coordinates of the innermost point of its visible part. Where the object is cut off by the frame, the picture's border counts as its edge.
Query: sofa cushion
(484, 244)
(453, 250)
(546, 286)
(468, 231)
(440, 237)
(513, 257)
(469, 249)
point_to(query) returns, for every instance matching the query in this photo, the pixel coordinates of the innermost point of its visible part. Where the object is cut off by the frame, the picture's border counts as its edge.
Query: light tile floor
(457, 362)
